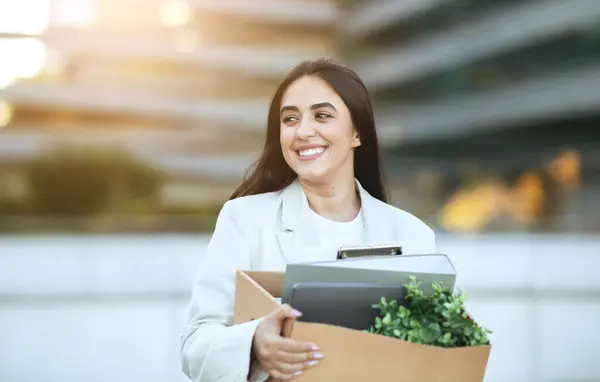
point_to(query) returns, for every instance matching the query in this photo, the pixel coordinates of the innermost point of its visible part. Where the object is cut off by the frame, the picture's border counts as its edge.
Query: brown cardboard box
(352, 355)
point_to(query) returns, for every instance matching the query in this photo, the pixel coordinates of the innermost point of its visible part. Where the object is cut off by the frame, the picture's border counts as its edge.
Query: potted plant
(438, 319)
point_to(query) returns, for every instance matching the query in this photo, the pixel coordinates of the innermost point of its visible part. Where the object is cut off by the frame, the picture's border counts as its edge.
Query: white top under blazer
(266, 232)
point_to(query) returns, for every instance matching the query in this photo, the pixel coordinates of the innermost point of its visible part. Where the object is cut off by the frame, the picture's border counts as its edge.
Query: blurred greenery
(78, 180)
(71, 188)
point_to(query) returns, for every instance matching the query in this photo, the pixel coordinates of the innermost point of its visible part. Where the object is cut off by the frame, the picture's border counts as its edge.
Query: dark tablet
(342, 304)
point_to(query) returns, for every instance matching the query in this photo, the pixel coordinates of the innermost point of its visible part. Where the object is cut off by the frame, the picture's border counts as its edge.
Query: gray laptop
(391, 270)
(349, 305)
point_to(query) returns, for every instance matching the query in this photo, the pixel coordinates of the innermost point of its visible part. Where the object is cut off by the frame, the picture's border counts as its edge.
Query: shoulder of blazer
(404, 219)
(253, 205)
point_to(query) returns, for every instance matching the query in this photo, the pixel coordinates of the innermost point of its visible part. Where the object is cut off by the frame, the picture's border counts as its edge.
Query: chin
(312, 175)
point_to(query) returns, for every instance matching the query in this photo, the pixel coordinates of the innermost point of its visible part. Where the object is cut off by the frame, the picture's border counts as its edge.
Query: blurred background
(125, 125)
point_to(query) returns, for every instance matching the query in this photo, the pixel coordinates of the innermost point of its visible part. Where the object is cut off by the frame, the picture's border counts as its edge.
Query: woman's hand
(284, 358)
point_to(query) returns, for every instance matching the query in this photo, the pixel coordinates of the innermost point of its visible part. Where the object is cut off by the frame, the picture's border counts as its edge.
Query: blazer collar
(297, 229)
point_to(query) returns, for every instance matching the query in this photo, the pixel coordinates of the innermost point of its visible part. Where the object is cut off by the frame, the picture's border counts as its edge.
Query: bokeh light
(29, 17)
(21, 58)
(6, 113)
(175, 13)
(79, 14)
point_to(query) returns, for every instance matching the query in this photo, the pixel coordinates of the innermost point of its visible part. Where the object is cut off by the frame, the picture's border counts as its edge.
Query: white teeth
(308, 152)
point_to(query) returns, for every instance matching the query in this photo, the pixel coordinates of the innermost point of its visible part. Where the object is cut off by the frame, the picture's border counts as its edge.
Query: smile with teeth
(311, 152)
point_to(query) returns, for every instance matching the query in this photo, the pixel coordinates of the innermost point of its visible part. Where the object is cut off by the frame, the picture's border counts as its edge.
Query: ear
(355, 139)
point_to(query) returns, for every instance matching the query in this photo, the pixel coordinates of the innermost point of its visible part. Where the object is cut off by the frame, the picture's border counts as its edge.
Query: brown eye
(323, 115)
(289, 118)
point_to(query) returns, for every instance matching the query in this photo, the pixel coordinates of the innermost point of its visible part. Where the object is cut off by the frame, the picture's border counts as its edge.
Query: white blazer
(266, 232)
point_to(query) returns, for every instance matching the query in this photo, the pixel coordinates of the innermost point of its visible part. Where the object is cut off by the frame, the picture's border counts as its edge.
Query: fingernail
(313, 363)
(297, 373)
(296, 313)
(317, 356)
(314, 347)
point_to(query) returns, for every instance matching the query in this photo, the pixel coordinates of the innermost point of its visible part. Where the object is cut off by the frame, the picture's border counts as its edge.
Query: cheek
(339, 135)
(285, 138)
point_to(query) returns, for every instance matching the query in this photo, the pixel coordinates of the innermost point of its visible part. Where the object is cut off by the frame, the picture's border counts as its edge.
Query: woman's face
(317, 135)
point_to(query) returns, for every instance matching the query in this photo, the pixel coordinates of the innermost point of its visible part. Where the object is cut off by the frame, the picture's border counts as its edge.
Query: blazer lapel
(378, 222)
(296, 230)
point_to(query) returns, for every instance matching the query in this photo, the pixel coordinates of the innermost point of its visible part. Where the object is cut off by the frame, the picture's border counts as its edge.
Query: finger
(298, 358)
(281, 376)
(287, 368)
(286, 311)
(293, 369)
(293, 346)
(290, 370)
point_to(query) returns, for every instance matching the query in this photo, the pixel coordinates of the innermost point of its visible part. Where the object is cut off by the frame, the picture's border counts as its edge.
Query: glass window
(439, 18)
(568, 52)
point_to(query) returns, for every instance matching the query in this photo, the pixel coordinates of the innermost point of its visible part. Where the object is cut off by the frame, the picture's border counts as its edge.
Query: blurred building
(487, 109)
(490, 108)
(184, 83)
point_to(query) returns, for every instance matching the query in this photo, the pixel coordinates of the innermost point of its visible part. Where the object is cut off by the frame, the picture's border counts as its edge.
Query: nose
(305, 129)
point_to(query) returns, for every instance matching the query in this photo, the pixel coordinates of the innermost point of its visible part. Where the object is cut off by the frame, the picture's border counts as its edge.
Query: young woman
(317, 186)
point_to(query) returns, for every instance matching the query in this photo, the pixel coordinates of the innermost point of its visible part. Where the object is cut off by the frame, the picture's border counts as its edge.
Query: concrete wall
(111, 308)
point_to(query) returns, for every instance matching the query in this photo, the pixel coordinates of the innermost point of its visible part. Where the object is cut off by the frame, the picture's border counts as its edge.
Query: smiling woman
(316, 187)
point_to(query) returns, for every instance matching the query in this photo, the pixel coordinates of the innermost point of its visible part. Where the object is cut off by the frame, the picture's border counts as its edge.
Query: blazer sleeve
(428, 242)
(212, 349)
(423, 240)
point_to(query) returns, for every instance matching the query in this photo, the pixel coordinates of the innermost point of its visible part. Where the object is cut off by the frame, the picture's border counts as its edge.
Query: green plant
(73, 180)
(438, 319)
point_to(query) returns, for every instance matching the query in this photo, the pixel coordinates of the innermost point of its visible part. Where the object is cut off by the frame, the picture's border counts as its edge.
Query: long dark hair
(272, 173)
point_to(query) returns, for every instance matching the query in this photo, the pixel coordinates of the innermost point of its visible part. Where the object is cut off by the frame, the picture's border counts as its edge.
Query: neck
(338, 201)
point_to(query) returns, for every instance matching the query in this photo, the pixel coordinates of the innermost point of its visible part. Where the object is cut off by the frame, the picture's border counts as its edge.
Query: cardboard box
(352, 355)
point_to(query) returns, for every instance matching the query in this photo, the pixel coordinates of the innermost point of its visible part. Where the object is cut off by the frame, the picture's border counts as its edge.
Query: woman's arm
(212, 349)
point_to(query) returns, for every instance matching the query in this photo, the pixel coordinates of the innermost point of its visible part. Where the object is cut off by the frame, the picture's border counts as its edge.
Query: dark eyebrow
(313, 107)
(289, 108)
(322, 104)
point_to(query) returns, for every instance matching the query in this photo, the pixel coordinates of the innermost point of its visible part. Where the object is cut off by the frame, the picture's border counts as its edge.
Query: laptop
(348, 305)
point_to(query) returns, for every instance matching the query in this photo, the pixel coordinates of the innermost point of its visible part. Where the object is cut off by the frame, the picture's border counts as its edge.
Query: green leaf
(387, 319)
(383, 302)
(435, 327)
(377, 322)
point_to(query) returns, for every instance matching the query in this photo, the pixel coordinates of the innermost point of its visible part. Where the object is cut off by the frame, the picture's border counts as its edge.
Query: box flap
(272, 282)
(252, 297)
